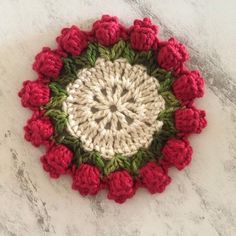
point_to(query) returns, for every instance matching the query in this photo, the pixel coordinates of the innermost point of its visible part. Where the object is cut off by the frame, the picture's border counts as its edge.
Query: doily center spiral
(113, 108)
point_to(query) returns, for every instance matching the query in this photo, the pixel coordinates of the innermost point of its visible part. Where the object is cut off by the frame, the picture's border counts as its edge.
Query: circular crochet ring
(113, 107)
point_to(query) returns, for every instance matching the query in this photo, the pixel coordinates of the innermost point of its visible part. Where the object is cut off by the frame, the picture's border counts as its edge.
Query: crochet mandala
(113, 107)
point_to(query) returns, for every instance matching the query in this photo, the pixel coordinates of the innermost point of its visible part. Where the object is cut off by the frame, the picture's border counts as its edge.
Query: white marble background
(200, 201)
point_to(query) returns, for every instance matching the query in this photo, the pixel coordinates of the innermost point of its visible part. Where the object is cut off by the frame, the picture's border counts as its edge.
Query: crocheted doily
(113, 107)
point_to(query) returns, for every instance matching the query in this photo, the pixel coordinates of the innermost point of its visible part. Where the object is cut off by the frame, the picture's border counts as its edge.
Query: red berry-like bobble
(86, 179)
(34, 94)
(189, 86)
(57, 160)
(143, 34)
(177, 153)
(72, 40)
(38, 129)
(172, 55)
(48, 63)
(108, 30)
(190, 120)
(154, 178)
(120, 186)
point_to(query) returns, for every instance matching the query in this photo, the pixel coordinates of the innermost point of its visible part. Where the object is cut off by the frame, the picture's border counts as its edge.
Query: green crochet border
(87, 59)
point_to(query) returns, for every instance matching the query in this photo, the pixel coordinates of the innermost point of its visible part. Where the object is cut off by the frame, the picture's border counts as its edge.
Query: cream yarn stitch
(113, 107)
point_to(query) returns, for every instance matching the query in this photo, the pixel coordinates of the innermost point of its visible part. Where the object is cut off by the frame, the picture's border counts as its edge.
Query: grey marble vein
(200, 200)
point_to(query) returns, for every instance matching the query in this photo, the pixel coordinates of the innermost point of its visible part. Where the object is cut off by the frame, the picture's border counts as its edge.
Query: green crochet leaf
(104, 52)
(59, 118)
(129, 54)
(161, 74)
(138, 160)
(165, 85)
(170, 99)
(69, 66)
(92, 53)
(117, 50)
(58, 96)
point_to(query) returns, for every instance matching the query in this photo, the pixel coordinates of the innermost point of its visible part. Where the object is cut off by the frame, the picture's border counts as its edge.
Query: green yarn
(170, 99)
(117, 50)
(69, 66)
(139, 159)
(168, 130)
(129, 54)
(88, 58)
(92, 54)
(73, 143)
(59, 119)
(104, 52)
(166, 85)
(58, 96)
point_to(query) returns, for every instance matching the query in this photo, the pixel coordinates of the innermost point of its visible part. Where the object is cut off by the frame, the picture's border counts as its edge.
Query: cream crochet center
(113, 108)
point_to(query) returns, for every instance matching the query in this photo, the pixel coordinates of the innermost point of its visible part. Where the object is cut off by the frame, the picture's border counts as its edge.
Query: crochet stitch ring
(114, 108)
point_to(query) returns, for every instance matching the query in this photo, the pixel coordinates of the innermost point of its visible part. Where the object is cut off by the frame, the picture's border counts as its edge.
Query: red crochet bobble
(120, 185)
(38, 129)
(48, 63)
(86, 179)
(57, 160)
(154, 178)
(143, 34)
(172, 55)
(34, 94)
(189, 86)
(107, 31)
(72, 40)
(190, 120)
(177, 153)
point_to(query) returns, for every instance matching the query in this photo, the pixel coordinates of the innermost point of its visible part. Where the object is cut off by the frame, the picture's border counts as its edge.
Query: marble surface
(201, 199)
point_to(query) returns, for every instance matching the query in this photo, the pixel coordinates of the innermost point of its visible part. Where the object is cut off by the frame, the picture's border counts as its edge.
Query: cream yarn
(113, 107)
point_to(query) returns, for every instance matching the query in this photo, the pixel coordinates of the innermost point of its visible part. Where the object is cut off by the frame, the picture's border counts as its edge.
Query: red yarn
(189, 86)
(154, 178)
(34, 94)
(72, 40)
(38, 129)
(172, 55)
(48, 63)
(177, 153)
(86, 179)
(190, 120)
(108, 31)
(120, 186)
(43, 80)
(143, 34)
(57, 160)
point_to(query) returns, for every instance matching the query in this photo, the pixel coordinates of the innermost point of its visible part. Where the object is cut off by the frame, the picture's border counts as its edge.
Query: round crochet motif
(114, 107)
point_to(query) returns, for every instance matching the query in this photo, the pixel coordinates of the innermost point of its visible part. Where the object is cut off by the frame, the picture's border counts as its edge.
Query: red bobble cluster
(177, 152)
(86, 179)
(34, 94)
(154, 178)
(38, 129)
(57, 160)
(172, 55)
(143, 34)
(120, 186)
(189, 86)
(108, 30)
(72, 40)
(48, 63)
(190, 120)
